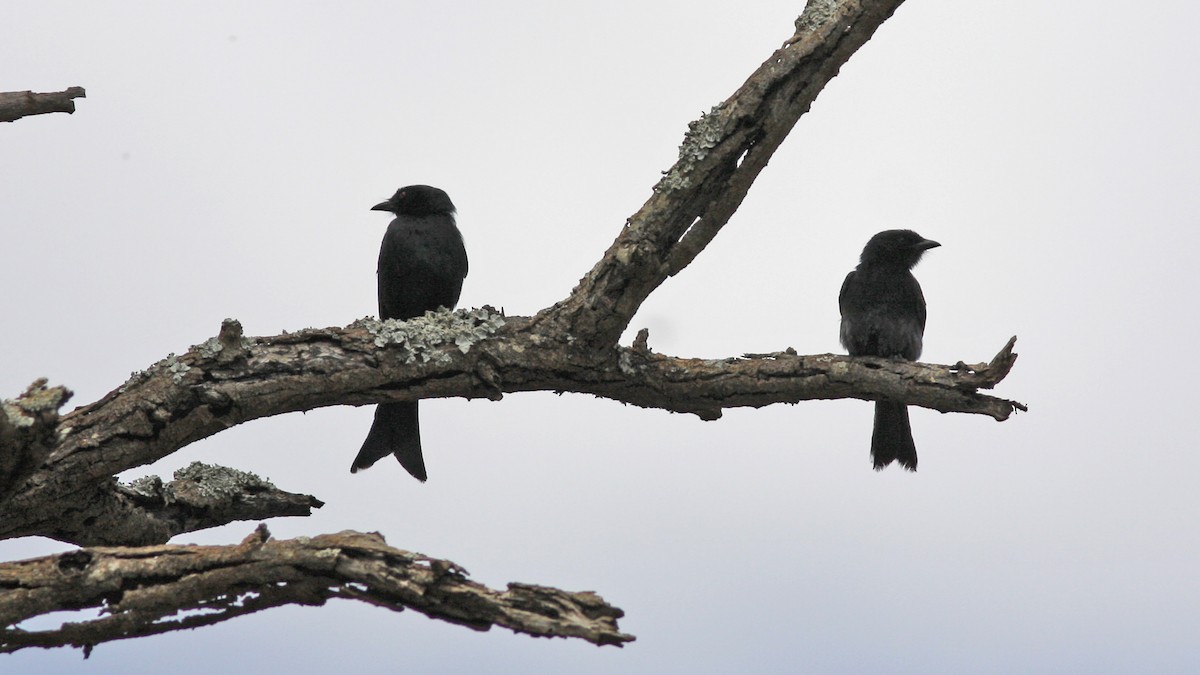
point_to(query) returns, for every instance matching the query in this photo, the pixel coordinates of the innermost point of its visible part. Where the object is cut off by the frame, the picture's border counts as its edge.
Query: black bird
(883, 314)
(422, 264)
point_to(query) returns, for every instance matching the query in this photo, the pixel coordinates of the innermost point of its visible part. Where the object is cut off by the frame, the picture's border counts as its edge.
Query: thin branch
(706, 386)
(200, 497)
(158, 589)
(17, 104)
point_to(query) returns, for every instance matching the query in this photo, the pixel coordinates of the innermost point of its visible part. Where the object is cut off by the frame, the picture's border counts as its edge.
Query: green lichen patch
(421, 339)
(198, 485)
(702, 136)
(210, 348)
(216, 482)
(176, 367)
(230, 336)
(15, 415)
(37, 400)
(147, 487)
(816, 14)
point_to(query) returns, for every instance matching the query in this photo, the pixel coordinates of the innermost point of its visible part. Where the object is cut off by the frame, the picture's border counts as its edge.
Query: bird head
(896, 247)
(417, 200)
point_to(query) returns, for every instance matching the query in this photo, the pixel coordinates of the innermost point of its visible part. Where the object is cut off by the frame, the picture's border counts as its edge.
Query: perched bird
(422, 264)
(883, 314)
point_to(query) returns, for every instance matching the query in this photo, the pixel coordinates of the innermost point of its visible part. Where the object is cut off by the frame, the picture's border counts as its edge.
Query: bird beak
(927, 244)
(383, 206)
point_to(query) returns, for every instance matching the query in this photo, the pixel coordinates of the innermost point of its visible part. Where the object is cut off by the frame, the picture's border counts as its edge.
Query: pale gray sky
(224, 163)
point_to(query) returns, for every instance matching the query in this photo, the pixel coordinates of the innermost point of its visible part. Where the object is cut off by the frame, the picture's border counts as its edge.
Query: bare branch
(17, 104)
(705, 386)
(157, 589)
(200, 497)
(149, 511)
(467, 353)
(719, 159)
(571, 346)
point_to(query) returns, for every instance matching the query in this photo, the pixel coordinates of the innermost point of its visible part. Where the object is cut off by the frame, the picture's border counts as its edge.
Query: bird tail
(395, 431)
(892, 438)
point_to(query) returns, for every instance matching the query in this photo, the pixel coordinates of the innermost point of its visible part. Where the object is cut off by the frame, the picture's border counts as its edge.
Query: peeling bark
(150, 590)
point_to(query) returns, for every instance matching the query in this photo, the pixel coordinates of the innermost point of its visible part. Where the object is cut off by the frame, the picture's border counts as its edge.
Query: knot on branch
(257, 538)
(641, 342)
(634, 360)
(228, 346)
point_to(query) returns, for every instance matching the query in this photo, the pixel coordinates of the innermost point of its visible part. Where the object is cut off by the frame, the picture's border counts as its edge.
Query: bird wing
(842, 293)
(422, 263)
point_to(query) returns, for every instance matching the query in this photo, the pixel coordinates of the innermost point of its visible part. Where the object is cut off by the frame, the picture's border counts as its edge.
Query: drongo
(422, 264)
(883, 314)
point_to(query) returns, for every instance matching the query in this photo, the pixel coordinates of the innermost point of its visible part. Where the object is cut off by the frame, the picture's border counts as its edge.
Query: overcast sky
(224, 163)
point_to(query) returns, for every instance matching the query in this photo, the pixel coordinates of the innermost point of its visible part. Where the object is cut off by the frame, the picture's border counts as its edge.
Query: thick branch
(468, 353)
(569, 347)
(721, 155)
(17, 104)
(151, 590)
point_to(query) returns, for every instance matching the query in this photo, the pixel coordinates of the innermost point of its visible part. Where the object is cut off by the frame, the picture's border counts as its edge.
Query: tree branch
(200, 497)
(230, 379)
(721, 155)
(571, 346)
(157, 589)
(17, 104)
(705, 386)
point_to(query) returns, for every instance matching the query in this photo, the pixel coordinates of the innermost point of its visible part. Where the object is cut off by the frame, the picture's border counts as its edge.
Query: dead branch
(17, 104)
(466, 353)
(157, 589)
(570, 346)
(720, 157)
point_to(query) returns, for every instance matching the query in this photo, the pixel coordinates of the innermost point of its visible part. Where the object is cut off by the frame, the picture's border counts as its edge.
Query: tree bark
(17, 104)
(150, 590)
(68, 494)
